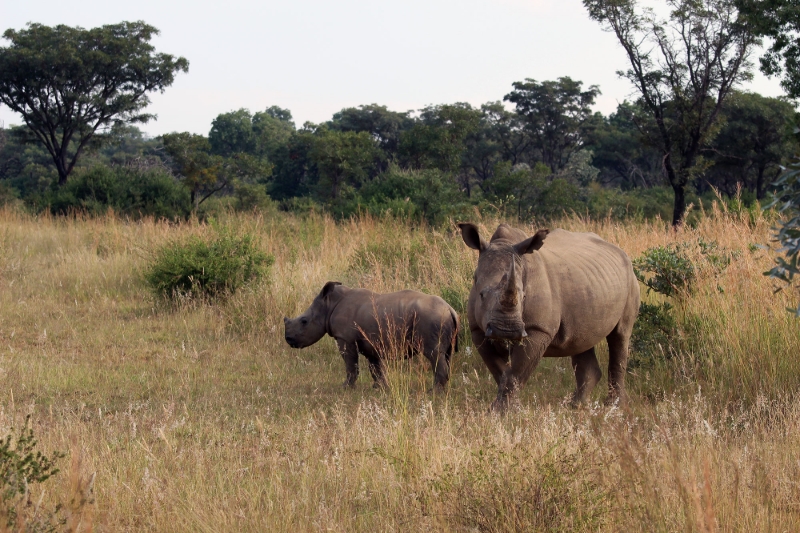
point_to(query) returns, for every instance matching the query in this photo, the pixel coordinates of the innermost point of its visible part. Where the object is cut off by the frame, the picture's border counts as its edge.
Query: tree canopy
(554, 112)
(683, 69)
(70, 84)
(778, 20)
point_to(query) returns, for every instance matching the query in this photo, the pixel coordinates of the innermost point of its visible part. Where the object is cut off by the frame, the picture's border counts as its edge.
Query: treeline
(539, 153)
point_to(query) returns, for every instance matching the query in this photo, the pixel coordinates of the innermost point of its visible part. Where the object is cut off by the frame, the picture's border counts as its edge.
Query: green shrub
(21, 466)
(195, 267)
(787, 234)
(128, 191)
(670, 270)
(430, 195)
(654, 332)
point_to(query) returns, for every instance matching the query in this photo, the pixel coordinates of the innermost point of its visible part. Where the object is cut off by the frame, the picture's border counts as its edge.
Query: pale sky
(316, 57)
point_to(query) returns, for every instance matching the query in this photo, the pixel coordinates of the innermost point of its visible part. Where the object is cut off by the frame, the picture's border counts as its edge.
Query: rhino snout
(291, 341)
(496, 332)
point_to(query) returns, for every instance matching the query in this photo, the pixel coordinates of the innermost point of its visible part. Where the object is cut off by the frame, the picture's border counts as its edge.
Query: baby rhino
(373, 324)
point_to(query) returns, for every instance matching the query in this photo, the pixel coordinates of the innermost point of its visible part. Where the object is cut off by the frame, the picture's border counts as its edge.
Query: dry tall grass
(201, 418)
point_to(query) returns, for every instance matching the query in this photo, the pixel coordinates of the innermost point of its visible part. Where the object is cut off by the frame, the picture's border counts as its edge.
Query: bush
(128, 191)
(430, 195)
(654, 331)
(787, 234)
(672, 272)
(21, 466)
(197, 268)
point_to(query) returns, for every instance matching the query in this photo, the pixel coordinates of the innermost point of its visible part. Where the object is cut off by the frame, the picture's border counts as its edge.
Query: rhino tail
(456, 330)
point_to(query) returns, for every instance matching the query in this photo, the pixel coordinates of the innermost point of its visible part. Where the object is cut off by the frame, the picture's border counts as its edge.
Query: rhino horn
(508, 297)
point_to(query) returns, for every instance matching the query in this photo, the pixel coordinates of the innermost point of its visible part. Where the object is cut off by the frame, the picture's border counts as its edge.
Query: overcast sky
(316, 57)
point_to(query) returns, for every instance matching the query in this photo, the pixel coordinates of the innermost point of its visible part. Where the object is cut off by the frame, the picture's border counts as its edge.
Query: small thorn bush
(211, 268)
(22, 465)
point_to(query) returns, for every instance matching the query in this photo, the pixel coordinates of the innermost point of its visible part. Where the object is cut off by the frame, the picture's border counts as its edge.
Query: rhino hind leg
(618, 345)
(378, 371)
(587, 374)
(440, 362)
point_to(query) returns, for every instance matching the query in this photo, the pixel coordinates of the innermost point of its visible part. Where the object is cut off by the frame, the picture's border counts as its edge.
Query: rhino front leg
(587, 374)
(350, 355)
(524, 359)
(495, 359)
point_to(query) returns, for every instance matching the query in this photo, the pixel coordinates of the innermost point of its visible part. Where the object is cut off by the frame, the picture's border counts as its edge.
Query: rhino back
(381, 314)
(588, 282)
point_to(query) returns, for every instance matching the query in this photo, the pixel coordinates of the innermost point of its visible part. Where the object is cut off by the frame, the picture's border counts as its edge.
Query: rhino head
(498, 289)
(311, 326)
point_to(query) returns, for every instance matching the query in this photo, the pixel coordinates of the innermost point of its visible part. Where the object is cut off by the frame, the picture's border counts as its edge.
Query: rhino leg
(587, 374)
(378, 371)
(495, 359)
(441, 367)
(618, 344)
(350, 355)
(524, 359)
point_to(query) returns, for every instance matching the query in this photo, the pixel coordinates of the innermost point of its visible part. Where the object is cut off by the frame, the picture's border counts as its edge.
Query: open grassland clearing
(199, 417)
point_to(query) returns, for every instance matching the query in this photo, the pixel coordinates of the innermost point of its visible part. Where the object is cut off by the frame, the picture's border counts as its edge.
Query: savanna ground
(198, 417)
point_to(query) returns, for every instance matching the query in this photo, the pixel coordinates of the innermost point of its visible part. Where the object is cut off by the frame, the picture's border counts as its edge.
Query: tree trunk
(679, 208)
(61, 167)
(760, 183)
(62, 177)
(679, 187)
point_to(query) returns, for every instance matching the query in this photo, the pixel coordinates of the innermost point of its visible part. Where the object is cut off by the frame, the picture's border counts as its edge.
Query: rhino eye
(304, 321)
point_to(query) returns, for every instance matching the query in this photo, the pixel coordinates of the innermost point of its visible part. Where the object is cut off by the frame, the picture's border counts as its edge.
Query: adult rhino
(369, 323)
(533, 298)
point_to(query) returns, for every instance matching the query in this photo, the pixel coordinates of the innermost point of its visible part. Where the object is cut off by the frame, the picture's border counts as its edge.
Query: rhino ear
(471, 236)
(328, 288)
(532, 244)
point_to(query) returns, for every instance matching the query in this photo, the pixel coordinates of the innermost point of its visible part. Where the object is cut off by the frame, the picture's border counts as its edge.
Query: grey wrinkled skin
(372, 324)
(555, 294)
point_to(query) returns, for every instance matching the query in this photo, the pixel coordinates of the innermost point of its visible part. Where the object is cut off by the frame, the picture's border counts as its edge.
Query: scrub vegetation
(198, 416)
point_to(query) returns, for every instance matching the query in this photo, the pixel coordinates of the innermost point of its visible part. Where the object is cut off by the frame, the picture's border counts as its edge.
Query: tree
(343, 158)
(755, 139)
(201, 171)
(70, 84)
(554, 113)
(295, 172)
(384, 125)
(232, 133)
(438, 139)
(683, 70)
(272, 129)
(259, 135)
(621, 152)
(779, 20)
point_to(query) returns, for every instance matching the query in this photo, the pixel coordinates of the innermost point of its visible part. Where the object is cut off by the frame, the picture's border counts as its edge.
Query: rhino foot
(437, 388)
(619, 399)
(501, 404)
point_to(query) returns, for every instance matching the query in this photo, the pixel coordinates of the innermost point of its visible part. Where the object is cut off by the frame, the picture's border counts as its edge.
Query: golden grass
(201, 418)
